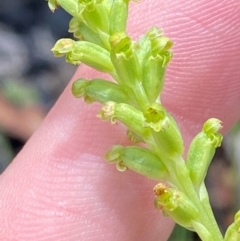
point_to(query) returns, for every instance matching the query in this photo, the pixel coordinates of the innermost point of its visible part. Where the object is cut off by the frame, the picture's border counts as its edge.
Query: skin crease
(60, 188)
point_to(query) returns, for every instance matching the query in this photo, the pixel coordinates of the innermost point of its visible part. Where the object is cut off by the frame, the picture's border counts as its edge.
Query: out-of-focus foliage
(29, 74)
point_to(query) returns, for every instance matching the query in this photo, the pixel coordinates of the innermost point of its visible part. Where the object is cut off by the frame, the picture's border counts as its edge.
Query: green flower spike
(98, 90)
(85, 52)
(202, 150)
(140, 160)
(138, 69)
(233, 231)
(176, 205)
(71, 6)
(128, 115)
(164, 130)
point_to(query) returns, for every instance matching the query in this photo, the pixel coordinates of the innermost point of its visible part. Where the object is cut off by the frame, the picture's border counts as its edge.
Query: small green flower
(79, 87)
(140, 160)
(62, 47)
(156, 117)
(211, 128)
(176, 205)
(153, 78)
(84, 52)
(160, 45)
(74, 26)
(202, 150)
(81, 31)
(164, 130)
(128, 115)
(125, 60)
(156, 57)
(98, 90)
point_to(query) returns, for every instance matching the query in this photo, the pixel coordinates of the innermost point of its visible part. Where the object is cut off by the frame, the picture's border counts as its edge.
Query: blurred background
(31, 80)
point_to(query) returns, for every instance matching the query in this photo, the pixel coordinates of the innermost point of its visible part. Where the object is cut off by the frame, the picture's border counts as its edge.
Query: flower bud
(85, 52)
(118, 16)
(176, 205)
(211, 128)
(137, 159)
(164, 130)
(74, 26)
(128, 115)
(98, 90)
(79, 88)
(202, 150)
(160, 45)
(62, 47)
(125, 59)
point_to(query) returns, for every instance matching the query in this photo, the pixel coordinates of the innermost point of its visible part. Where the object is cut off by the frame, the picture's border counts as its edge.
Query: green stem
(205, 211)
(204, 199)
(136, 94)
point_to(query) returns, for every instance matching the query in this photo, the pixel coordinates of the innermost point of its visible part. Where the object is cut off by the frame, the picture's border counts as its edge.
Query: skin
(60, 188)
